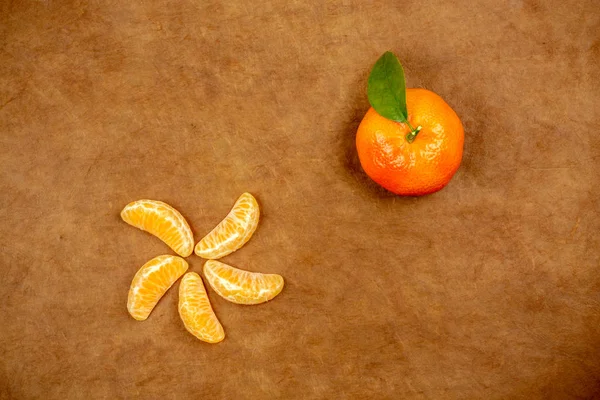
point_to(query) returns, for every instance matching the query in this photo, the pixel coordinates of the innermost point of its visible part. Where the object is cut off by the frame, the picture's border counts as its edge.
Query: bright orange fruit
(163, 221)
(233, 231)
(428, 163)
(240, 286)
(196, 312)
(151, 282)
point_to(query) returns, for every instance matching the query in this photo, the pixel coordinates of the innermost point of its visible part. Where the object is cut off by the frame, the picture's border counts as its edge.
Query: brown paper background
(489, 289)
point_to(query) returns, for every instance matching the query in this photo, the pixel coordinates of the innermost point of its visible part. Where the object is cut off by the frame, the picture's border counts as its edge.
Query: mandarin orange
(416, 165)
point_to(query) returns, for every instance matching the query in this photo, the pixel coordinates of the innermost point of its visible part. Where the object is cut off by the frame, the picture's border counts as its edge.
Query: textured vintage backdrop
(489, 289)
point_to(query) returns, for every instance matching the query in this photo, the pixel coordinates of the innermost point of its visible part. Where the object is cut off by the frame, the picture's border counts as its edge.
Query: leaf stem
(410, 136)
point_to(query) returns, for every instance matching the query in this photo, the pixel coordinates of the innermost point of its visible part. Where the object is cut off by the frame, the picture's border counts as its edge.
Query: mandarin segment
(233, 231)
(196, 312)
(151, 282)
(242, 287)
(162, 221)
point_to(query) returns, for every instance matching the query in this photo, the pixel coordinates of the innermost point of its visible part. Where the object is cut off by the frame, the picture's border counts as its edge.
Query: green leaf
(387, 89)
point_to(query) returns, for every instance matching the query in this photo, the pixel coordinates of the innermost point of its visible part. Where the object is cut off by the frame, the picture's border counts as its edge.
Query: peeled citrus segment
(195, 311)
(242, 287)
(233, 231)
(151, 282)
(163, 221)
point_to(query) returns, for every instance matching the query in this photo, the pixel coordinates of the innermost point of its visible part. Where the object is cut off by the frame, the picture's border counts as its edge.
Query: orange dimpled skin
(428, 163)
